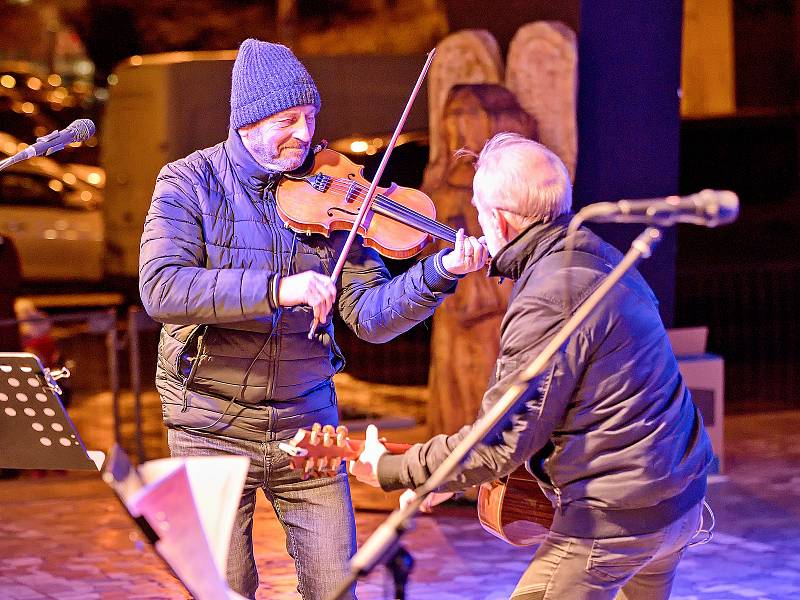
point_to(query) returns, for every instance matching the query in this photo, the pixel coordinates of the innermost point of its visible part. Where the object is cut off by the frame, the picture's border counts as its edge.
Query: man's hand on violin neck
(309, 288)
(469, 254)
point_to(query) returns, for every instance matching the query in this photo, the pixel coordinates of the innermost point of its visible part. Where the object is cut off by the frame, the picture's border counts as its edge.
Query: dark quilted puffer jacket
(229, 362)
(609, 428)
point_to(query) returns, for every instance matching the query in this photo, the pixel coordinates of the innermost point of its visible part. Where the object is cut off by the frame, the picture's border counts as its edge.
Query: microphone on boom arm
(79, 130)
(708, 208)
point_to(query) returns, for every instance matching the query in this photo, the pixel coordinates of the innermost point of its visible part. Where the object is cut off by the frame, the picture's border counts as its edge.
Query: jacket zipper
(189, 378)
(553, 486)
(274, 346)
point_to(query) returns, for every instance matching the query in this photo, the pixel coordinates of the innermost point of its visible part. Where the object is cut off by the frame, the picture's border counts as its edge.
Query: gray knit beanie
(268, 78)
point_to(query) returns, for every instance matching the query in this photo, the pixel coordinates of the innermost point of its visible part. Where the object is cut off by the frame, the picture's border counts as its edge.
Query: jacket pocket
(188, 360)
(337, 359)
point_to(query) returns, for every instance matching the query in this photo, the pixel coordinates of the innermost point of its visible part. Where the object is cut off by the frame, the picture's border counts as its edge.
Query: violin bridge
(352, 192)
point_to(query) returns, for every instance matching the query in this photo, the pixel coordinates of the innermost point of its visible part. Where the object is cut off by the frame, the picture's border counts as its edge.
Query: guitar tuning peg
(341, 435)
(308, 469)
(328, 433)
(314, 437)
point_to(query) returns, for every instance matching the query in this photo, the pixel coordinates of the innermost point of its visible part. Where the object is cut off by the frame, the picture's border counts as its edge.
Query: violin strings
(340, 187)
(338, 184)
(384, 201)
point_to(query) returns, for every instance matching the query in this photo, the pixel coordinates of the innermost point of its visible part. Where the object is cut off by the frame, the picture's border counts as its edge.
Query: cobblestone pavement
(65, 536)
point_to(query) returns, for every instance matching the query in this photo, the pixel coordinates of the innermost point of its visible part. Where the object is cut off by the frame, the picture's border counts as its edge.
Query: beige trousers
(639, 567)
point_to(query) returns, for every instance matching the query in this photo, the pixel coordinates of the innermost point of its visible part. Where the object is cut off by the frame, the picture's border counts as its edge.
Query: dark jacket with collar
(616, 441)
(229, 361)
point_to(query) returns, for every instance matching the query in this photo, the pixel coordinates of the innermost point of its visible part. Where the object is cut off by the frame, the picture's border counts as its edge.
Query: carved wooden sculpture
(542, 71)
(466, 329)
(468, 105)
(469, 56)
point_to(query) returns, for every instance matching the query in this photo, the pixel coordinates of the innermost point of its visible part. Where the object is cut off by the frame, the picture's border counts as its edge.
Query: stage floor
(64, 536)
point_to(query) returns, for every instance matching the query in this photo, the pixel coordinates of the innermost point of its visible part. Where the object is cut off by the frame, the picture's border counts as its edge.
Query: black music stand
(35, 430)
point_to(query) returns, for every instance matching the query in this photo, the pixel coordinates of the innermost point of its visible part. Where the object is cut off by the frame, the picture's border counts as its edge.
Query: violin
(351, 193)
(328, 195)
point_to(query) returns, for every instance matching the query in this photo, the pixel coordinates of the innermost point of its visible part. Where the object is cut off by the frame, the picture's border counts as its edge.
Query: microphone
(708, 208)
(79, 130)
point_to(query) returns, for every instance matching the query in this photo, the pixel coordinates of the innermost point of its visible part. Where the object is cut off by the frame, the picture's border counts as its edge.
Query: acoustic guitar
(513, 509)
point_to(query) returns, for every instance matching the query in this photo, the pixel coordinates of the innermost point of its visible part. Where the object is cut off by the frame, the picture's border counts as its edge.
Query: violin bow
(365, 207)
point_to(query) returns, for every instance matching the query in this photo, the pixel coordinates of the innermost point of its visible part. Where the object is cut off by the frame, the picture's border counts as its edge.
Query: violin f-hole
(335, 209)
(364, 224)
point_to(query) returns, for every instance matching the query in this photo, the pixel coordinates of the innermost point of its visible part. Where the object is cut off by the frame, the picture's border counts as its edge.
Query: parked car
(54, 219)
(27, 121)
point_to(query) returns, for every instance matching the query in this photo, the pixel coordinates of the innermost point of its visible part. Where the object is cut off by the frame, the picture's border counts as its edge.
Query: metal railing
(138, 321)
(96, 322)
(117, 335)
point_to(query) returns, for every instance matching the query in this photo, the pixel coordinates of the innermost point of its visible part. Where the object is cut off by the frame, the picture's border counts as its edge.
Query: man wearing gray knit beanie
(268, 86)
(237, 290)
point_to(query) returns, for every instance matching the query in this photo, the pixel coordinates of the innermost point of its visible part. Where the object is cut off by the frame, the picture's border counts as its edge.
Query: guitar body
(515, 509)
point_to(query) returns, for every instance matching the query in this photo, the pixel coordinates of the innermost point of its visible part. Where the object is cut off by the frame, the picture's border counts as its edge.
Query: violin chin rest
(308, 164)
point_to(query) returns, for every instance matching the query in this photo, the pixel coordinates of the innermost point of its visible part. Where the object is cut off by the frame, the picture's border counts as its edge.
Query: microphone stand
(383, 544)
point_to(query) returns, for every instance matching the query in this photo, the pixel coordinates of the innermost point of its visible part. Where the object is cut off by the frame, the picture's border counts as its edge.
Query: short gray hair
(507, 164)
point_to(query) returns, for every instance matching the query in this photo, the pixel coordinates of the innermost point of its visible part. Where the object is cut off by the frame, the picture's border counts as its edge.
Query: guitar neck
(355, 447)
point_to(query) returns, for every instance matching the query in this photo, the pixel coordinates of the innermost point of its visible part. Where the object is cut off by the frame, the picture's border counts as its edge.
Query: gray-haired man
(609, 430)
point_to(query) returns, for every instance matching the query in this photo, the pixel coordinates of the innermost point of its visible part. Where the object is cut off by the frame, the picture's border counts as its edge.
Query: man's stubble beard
(270, 158)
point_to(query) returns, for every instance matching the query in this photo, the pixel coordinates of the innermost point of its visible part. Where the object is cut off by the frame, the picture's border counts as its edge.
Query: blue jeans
(317, 514)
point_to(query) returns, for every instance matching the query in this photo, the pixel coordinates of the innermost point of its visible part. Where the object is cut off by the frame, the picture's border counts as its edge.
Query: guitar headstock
(320, 451)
